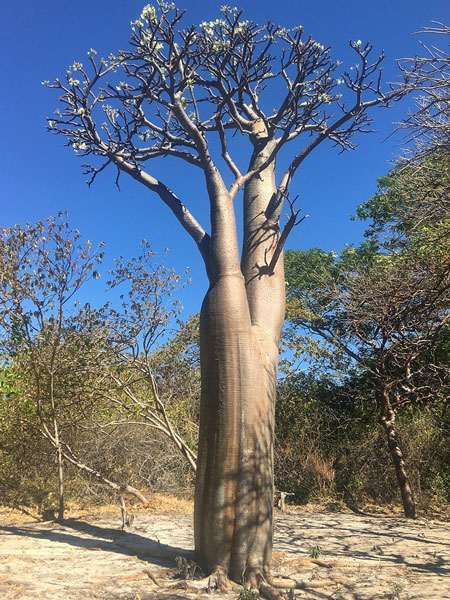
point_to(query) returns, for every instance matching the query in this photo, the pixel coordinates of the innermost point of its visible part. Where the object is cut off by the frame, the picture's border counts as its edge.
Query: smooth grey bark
(240, 327)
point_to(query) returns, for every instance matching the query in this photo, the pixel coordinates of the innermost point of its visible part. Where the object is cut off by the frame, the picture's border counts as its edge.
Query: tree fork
(240, 328)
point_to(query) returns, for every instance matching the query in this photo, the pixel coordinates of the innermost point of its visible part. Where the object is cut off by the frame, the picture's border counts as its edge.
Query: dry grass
(157, 504)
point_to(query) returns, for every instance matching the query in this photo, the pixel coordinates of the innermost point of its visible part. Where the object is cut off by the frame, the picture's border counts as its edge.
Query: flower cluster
(325, 98)
(225, 8)
(208, 27)
(79, 146)
(149, 13)
(240, 27)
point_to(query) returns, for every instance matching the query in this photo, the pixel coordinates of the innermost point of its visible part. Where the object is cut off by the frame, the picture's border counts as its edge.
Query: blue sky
(41, 177)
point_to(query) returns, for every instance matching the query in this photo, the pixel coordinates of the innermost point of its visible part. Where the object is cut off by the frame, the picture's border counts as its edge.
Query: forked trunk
(240, 327)
(387, 420)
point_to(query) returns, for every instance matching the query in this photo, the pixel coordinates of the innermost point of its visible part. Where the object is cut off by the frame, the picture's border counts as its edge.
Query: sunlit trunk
(387, 420)
(240, 326)
(60, 467)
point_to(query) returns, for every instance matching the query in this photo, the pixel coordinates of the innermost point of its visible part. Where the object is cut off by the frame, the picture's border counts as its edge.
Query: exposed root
(257, 579)
(153, 577)
(268, 586)
(219, 580)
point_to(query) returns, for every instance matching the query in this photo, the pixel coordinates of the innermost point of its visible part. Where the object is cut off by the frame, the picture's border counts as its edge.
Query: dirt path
(362, 558)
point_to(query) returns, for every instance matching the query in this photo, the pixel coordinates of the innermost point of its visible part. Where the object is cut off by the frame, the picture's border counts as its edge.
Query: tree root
(219, 580)
(269, 587)
(257, 579)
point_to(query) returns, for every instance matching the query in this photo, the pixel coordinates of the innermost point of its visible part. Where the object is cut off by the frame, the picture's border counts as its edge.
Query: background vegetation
(101, 400)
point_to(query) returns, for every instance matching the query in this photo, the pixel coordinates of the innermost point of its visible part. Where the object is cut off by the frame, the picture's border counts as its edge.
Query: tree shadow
(106, 539)
(429, 555)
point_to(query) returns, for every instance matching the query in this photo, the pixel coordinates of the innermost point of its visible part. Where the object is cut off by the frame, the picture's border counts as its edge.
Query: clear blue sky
(41, 177)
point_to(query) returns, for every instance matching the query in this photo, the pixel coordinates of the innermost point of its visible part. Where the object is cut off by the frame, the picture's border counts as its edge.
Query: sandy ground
(363, 557)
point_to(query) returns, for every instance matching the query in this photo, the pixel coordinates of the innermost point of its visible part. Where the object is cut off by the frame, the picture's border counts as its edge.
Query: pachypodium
(183, 93)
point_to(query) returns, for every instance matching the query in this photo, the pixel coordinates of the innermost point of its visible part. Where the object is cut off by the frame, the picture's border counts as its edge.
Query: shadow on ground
(105, 538)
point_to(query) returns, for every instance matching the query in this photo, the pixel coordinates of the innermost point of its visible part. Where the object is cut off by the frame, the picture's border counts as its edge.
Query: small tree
(386, 304)
(181, 93)
(42, 267)
(133, 349)
(67, 358)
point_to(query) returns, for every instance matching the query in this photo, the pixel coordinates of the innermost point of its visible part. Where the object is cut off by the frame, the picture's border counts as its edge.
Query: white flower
(339, 81)
(358, 43)
(149, 12)
(162, 4)
(74, 81)
(77, 66)
(325, 98)
(92, 52)
(45, 82)
(81, 111)
(79, 146)
(51, 123)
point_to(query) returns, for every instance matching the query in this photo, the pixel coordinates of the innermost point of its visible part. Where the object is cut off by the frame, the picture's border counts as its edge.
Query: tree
(429, 125)
(181, 94)
(132, 370)
(62, 354)
(386, 304)
(42, 268)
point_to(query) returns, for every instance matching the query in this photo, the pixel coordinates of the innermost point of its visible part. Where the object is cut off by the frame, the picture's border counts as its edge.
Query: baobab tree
(181, 93)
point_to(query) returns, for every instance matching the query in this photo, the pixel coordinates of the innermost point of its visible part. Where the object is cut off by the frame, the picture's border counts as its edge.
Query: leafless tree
(183, 94)
(429, 125)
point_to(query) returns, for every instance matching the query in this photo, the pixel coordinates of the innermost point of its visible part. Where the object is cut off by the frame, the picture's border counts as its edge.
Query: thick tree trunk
(240, 327)
(387, 420)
